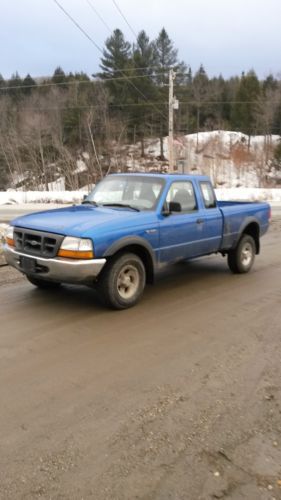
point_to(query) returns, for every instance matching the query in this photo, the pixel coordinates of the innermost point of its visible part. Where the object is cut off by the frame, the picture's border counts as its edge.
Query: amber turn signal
(10, 241)
(75, 254)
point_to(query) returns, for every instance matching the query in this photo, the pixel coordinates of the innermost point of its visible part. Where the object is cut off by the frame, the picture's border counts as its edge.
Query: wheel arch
(139, 247)
(253, 229)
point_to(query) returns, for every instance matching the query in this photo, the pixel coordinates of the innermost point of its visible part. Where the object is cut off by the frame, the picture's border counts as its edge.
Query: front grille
(37, 243)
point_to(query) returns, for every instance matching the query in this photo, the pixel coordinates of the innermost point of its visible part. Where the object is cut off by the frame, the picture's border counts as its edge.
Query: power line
(121, 105)
(99, 16)
(126, 21)
(116, 105)
(78, 82)
(96, 106)
(100, 50)
(77, 25)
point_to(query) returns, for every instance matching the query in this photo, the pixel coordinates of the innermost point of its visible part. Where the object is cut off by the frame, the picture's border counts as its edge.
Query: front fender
(129, 241)
(141, 247)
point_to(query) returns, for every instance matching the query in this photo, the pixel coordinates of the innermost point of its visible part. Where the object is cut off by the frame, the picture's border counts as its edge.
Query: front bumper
(57, 269)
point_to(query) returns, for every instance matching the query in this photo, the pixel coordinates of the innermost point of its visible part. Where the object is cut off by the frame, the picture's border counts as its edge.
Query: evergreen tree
(2, 81)
(14, 82)
(201, 95)
(59, 77)
(270, 83)
(144, 54)
(243, 113)
(167, 56)
(29, 83)
(143, 66)
(115, 64)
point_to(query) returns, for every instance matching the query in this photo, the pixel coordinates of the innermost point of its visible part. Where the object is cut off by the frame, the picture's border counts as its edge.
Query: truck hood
(78, 220)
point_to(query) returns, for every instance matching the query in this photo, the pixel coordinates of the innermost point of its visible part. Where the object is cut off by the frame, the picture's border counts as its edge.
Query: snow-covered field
(64, 197)
(249, 194)
(16, 197)
(237, 164)
(231, 159)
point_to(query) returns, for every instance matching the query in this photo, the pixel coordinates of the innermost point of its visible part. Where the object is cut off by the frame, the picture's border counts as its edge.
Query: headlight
(76, 248)
(9, 236)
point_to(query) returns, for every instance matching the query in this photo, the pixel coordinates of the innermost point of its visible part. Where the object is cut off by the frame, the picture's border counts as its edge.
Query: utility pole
(173, 104)
(171, 120)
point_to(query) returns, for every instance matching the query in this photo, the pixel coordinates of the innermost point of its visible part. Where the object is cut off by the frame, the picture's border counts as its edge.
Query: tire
(122, 283)
(43, 284)
(241, 259)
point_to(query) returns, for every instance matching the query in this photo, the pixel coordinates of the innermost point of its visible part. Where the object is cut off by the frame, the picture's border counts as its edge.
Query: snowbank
(17, 197)
(250, 194)
(241, 193)
(2, 232)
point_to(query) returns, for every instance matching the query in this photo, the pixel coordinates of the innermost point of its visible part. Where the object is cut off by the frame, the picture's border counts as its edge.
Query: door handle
(200, 221)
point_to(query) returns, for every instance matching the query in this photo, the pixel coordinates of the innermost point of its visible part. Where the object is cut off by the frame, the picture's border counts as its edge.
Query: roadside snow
(62, 197)
(14, 197)
(2, 239)
(250, 194)
(231, 159)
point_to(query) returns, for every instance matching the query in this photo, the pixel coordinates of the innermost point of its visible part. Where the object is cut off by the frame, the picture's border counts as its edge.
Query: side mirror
(85, 196)
(174, 206)
(171, 207)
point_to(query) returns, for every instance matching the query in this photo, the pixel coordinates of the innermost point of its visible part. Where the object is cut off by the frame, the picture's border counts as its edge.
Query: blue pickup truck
(128, 227)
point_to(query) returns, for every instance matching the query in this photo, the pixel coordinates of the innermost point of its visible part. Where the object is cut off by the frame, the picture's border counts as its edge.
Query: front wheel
(123, 281)
(241, 259)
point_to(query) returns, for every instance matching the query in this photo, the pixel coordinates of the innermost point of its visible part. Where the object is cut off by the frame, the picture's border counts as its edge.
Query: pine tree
(115, 63)
(29, 83)
(14, 82)
(143, 67)
(167, 56)
(201, 94)
(59, 77)
(2, 81)
(243, 113)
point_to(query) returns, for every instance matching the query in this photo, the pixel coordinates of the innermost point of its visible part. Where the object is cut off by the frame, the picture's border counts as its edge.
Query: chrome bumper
(57, 269)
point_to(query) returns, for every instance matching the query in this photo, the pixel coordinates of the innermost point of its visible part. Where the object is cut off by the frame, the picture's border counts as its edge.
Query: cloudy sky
(227, 36)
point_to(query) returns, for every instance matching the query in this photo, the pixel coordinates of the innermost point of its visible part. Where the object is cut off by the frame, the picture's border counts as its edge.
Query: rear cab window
(208, 194)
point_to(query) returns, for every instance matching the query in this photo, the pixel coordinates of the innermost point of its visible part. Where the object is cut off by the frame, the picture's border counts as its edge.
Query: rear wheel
(122, 282)
(241, 259)
(41, 283)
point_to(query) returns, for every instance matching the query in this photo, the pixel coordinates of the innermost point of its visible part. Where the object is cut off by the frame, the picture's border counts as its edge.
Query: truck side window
(183, 194)
(208, 195)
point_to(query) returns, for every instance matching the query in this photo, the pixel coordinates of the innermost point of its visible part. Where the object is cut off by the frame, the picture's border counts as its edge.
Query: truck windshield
(128, 191)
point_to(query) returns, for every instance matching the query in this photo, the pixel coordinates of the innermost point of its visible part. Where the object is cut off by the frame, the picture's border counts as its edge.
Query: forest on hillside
(47, 124)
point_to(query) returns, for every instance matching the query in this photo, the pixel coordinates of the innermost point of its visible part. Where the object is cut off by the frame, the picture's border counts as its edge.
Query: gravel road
(178, 398)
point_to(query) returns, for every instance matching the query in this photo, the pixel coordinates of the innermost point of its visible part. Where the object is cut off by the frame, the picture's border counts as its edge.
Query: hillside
(232, 159)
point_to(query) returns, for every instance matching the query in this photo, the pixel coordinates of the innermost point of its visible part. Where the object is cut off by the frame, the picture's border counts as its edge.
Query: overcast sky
(226, 36)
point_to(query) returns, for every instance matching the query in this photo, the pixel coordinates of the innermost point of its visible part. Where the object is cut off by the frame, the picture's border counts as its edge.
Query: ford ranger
(127, 228)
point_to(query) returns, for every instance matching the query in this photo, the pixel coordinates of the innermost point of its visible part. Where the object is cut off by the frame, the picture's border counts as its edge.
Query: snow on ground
(14, 197)
(236, 164)
(2, 233)
(249, 194)
(231, 159)
(48, 199)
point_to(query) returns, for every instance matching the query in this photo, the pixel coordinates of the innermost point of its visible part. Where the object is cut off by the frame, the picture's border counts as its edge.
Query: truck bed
(239, 214)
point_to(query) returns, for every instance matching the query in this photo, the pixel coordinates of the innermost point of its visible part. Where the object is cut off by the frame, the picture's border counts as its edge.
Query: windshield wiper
(122, 205)
(89, 202)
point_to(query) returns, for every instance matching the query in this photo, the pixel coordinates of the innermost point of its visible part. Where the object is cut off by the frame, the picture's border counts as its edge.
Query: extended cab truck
(128, 227)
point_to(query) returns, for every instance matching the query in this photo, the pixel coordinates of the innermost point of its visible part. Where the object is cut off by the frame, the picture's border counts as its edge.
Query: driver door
(182, 230)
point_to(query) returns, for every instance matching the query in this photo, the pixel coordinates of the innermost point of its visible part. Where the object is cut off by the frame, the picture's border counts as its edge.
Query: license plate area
(27, 264)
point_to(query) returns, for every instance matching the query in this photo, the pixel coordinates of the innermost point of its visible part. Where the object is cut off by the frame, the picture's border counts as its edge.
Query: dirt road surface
(178, 398)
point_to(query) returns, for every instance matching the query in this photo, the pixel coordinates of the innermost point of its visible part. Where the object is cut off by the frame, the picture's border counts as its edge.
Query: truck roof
(176, 177)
